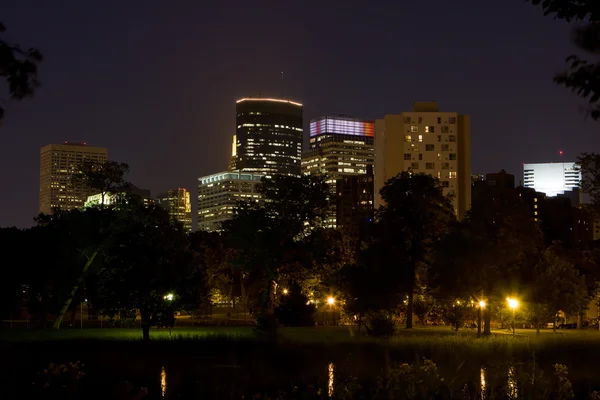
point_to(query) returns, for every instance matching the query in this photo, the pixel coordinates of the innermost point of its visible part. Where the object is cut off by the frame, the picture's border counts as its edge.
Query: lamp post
(513, 304)
(479, 311)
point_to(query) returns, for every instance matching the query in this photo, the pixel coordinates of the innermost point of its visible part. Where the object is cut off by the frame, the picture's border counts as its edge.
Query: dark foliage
(380, 324)
(19, 68)
(294, 308)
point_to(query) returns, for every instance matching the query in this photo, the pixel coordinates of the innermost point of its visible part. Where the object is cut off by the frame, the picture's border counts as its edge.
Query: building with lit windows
(354, 202)
(269, 136)
(219, 194)
(122, 196)
(177, 202)
(340, 146)
(426, 140)
(58, 163)
(553, 179)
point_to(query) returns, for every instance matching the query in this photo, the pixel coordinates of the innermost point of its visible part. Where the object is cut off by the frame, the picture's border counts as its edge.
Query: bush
(380, 325)
(294, 309)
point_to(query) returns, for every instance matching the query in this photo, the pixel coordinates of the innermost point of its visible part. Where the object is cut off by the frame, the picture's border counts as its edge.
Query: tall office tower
(339, 146)
(269, 136)
(426, 140)
(58, 163)
(219, 194)
(177, 202)
(354, 203)
(233, 154)
(553, 179)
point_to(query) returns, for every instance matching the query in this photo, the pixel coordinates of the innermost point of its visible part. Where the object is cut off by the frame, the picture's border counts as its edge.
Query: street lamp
(168, 297)
(330, 301)
(513, 304)
(285, 291)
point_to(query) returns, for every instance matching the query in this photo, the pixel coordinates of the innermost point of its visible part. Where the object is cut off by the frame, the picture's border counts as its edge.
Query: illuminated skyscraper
(426, 140)
(58, 163)
(177, 202)
(552, 178)
(268, 136)
(219, 194)
(341, 146)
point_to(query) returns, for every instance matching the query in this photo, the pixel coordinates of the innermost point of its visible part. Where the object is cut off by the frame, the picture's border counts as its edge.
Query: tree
(19, 67)
(268, 240)
(553, 285)
(294, 308)
(483, 256)
(581, 76)
(79, 237)
(415, 216)
(104, 178)
(150, 260)
(589, 164)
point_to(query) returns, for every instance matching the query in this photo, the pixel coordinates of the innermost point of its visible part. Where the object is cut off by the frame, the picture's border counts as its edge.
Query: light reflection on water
(331, 369)
(513, 390)
(163, 382)
(482, 383)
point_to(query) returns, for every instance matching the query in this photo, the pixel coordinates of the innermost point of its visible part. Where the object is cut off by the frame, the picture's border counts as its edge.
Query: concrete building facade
(553, 179)
(219, 194)
(58, 164)
(426, 140)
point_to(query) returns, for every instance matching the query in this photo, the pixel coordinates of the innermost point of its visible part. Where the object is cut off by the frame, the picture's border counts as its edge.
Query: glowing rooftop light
(268, 99)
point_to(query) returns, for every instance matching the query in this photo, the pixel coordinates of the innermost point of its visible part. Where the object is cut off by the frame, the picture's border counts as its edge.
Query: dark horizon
(156, 84)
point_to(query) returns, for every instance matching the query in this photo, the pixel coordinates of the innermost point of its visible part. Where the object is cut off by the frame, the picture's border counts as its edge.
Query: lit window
(429, 147)
(535, 213)
(407, 138)
(414, 128)
(429, 129)
(420, 138)
(452, 174)
(535, 200)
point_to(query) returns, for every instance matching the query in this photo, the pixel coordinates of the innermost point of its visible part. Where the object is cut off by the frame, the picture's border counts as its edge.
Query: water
(232, 370)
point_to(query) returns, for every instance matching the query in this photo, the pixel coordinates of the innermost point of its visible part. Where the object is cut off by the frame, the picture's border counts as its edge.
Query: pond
(222, 368)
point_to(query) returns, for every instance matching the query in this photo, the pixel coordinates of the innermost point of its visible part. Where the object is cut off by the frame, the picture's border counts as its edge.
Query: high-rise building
(177, 202)
(219, 194)
(551, 178)
(339, 147)
(58, 163)
(426, 140)
(268, 136)
(354, 203)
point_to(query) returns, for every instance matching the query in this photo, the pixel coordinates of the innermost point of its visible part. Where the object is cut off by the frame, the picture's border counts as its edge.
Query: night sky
(156, 81)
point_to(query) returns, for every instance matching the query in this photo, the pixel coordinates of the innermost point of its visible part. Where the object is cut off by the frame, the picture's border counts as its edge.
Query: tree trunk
(146, 322)
(479, 322)
(487, 318)
(65, 307)
(579, 321)
(537, 329)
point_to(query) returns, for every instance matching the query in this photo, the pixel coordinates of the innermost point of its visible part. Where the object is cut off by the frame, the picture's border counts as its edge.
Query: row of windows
(451, 120)
(414, 138)
(431, 165)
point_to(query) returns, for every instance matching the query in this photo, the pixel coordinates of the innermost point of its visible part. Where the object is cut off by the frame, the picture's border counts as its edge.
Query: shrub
(294, 309)
(380, 324)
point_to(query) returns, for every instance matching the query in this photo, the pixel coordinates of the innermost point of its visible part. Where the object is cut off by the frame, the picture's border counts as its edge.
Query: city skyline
(501, 76)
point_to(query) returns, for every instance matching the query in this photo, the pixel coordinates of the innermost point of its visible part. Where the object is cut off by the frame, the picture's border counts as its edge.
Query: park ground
(332, 334)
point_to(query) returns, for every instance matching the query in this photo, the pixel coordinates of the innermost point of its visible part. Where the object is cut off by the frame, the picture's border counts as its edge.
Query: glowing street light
(513, 304)
(285, 291)
(330, 301)
(168, 297)
(482, 304)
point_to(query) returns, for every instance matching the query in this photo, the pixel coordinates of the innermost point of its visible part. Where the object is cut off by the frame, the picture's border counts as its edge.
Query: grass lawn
(323, 334)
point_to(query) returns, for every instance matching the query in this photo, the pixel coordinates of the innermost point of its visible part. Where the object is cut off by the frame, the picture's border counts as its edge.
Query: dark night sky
(156, 81)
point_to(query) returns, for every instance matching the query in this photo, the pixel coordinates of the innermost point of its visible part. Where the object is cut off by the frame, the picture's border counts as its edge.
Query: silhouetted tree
(581, 76)
(104, 178)
(150, 259)
(19, 68)
(589, 164)
(415, 216)
(294, 308)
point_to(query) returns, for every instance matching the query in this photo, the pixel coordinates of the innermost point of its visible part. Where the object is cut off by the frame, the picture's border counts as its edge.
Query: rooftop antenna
(281, 84)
